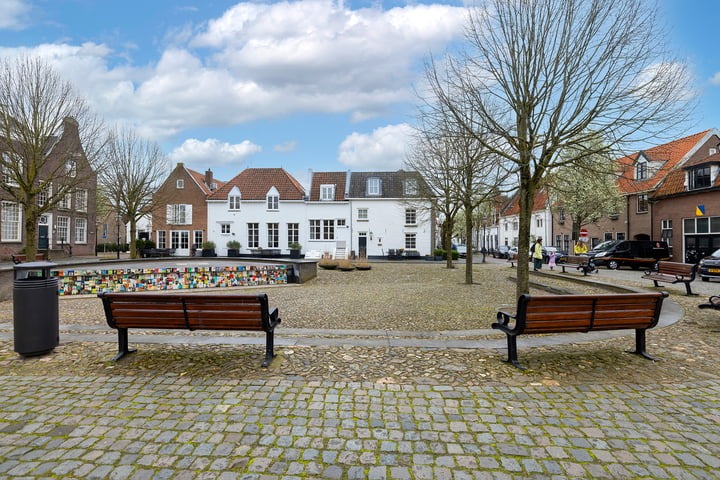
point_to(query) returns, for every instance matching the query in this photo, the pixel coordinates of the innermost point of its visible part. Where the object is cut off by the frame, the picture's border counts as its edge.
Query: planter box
(209, 253)
(294, 253)
(233, 252)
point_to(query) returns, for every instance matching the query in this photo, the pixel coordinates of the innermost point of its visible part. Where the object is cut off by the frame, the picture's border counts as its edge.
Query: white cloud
(383, 149)
(12, 13)
(286, 147)
(716, 79)
(213, 152)
(265, 61)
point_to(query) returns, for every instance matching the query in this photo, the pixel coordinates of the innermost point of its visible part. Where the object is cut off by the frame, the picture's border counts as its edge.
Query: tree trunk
(527, 195)
(468, 246)
(447, 242)
(131, 240)
(30, 236)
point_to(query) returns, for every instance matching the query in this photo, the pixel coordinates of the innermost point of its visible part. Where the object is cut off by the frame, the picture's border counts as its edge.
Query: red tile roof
(540, 203)
(200, 180)
(669, 153)
(254, 184)
(328, 178)
(674, 182)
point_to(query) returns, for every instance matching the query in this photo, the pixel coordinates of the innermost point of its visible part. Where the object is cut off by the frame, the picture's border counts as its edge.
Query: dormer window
(234, 199)
(410, 187)
(700, 178)
(327, 192)
(373, 186)
(273, 199)
(641, 170)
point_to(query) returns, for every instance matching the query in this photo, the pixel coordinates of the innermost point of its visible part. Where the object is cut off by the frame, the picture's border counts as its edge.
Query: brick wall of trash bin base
(89, 282)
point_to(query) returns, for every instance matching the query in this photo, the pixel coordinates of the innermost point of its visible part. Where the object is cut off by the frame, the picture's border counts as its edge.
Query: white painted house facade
(344, 212)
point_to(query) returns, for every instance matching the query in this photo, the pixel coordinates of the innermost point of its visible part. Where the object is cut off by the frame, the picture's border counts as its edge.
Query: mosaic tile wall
(85, 282)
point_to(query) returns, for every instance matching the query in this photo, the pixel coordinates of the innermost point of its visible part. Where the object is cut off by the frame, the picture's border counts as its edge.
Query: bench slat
(581, 313)
(189, 311)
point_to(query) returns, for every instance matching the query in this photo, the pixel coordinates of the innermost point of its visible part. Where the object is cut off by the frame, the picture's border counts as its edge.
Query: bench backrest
(677, 268)
(577, 259)
(191, 311)
(582, 313)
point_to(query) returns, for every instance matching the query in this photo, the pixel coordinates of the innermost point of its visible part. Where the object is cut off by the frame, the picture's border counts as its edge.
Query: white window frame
(62, 229)
(161, 239)
(641, 170)
(253, 235)
(315, 229)
(273, 235)
(327, 192)
(410, 187)
(81, 200)
(374, 186)
(293, 233)
(362, 214)
(225, 229)
(11, 222)
(180, 183)
(44, 195)
(273, 202)
(410, 241)
(234, 202)
(410, 216)
(81, 230)
(179, 214)
(71, 168)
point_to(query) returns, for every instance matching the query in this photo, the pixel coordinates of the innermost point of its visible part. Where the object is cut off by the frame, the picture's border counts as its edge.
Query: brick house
(540, 226)
(179, 219)
(642, 175)
(70, 227)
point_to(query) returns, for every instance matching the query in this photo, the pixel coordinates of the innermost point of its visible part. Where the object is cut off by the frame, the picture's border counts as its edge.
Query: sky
(305, 84)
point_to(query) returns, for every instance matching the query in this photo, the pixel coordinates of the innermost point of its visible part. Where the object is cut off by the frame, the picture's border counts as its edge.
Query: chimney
(209, 179)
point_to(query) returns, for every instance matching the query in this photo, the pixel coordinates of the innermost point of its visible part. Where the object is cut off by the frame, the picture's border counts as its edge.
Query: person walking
(537, 254)
(551, 260)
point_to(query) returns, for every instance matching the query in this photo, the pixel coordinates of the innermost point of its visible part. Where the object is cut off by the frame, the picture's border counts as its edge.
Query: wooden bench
(578, 262)
(189, 311)
(580, 313)
(22, 258)
(673, 272)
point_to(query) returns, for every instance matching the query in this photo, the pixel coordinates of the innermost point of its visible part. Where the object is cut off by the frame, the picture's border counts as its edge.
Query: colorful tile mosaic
(86, 282)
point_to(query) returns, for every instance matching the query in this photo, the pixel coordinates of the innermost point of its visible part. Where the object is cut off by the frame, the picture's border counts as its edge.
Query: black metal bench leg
(689, 291)
(640, 345)
(122, 344)
(512, 352)
(269, 349)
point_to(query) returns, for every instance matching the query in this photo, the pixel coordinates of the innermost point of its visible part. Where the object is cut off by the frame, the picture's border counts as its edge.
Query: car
(560, 256)
(632, 253)
(501, 251)
(462, 250)
(710, 266)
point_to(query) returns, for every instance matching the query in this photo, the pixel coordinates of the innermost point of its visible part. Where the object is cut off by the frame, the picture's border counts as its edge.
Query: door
(43, 239)
(362, 245)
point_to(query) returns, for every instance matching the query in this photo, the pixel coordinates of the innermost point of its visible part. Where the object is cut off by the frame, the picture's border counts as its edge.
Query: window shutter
(188, 214)
(169, 214)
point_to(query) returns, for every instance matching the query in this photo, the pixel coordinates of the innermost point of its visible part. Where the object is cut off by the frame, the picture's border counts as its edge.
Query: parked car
(710, 266)
(501, 251)
(633, 253)
(461, 249)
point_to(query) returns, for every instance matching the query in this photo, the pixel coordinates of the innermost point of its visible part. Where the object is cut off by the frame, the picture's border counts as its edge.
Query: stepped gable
(254, 184)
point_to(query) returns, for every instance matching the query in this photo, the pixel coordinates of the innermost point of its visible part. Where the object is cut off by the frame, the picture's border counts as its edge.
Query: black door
(43, 240)
(362, 246)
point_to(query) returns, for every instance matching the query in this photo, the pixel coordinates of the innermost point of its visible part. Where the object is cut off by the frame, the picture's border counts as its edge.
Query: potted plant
(233, 247)
(362, 263)
(295, 248)
(208, 249)
(327, 262)
(346, 265)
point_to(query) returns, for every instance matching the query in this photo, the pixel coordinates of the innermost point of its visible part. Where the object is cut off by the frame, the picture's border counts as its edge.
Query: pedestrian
(551, 260)
(580, 248)
(537, 255)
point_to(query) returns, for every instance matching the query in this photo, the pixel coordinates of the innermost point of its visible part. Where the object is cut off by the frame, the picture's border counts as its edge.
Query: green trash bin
(36, 325)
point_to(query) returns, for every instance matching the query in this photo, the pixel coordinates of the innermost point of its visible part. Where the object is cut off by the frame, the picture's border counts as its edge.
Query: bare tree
(556, 70)
(49, 141)
(135, 169)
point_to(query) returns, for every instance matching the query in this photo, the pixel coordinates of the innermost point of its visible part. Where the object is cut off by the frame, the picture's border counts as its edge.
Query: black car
(710, 266)
(501, 251)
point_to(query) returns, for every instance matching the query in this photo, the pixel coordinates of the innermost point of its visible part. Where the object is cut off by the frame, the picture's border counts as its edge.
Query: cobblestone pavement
(184, 412)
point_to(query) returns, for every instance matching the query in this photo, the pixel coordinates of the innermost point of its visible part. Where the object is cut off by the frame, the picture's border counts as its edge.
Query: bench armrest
(273, 317)
(503, 321)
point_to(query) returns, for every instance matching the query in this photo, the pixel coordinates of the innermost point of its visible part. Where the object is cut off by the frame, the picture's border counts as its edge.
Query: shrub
(294, 246)
(233, 245)
(141, 244)
(209, 245)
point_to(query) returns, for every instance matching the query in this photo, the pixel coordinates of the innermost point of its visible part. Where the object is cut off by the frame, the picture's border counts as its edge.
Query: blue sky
(308, 84)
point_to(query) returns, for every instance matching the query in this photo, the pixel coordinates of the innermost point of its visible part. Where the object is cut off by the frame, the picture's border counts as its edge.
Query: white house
(540, 225)
(262, 208)
(388, 212)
